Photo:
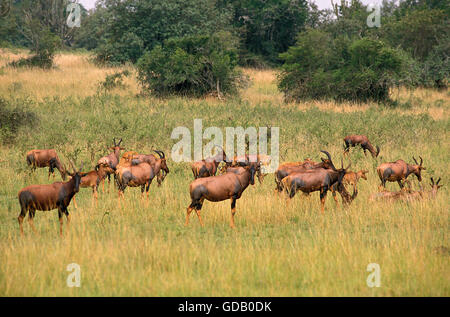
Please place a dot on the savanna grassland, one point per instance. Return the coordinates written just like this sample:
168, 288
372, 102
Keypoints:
277, 249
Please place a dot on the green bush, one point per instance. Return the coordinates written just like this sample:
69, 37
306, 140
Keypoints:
12, 117
321, 67
112, 81
44, 51
193, 65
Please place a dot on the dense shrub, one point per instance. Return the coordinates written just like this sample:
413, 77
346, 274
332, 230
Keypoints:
12, 117
44, 52
319, 66
192, 65
112, 81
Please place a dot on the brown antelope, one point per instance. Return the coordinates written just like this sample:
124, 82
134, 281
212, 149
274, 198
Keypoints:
48, 197
352, 178
288, 168
314, 180
353, 140
258, 161
111, 161
153, 161
208, 167
399, 171
140, 174
408, 195
46, 158
218, 188
92, 179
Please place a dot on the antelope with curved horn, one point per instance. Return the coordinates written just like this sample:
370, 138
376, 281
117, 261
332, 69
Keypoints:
354, 139
288, 168
153, 161
140, 174
46, 158
218, 188
208, 167
399, 171
49, 197
314, 180
111, 160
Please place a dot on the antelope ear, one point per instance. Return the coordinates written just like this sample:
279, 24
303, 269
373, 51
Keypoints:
121, 148
423, 168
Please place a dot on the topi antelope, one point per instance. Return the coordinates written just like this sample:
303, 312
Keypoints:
353, 140
92, 179
49, 197
315, 180
218, 188
407, 195
46, 158
111, 161
208, 166
352, 178
153, 161
288, 168
140, 175
399, 171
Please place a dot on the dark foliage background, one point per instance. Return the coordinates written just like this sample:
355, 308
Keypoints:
346, 59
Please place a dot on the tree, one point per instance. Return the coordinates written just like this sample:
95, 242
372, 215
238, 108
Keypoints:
145, 24
268, 27
192, 65
321, 67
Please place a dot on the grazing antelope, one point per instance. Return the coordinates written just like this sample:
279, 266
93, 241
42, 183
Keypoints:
111, 161
92, 179
140, 174
46, 158
314, 180
399, 171
288, 168
48, 197
153, 161
218, 188
208, 166
353, 140
408, 195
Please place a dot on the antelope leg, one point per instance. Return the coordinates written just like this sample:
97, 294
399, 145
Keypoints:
233, 211
188, 212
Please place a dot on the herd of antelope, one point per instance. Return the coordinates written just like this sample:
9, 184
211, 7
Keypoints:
212, 181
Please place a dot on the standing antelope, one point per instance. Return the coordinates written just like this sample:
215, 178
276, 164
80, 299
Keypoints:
48, 197
353, 140
288, 168
92, 179
352, 178
217, 188
46, 158
111, 161
208, 166
399, 171
153, 161
314, 180
140, 174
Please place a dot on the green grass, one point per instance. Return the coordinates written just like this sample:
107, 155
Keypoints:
278, 249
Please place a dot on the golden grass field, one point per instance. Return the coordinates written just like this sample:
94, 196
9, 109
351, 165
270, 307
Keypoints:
277, 249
